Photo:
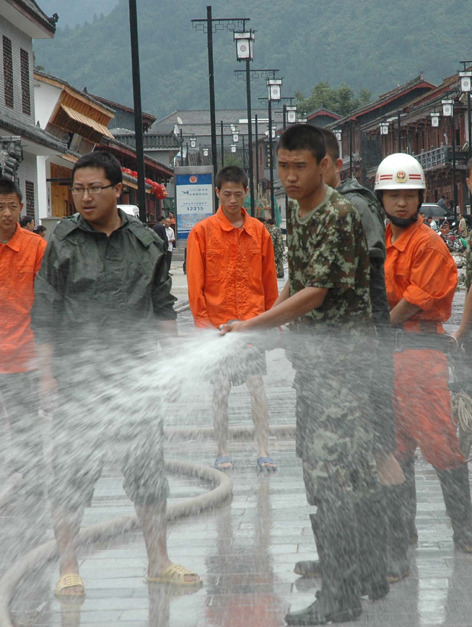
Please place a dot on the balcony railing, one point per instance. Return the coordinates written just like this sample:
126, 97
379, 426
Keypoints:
439, 156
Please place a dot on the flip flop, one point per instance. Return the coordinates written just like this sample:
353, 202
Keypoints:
224, 459
71, 580
266, 464
175, 574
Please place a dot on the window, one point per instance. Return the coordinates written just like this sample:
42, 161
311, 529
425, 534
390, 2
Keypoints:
25, 82
8, 71
29, 197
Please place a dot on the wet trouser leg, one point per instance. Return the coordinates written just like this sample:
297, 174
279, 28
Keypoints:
372, 537
398, 565
456, 492
409, 502
336, 542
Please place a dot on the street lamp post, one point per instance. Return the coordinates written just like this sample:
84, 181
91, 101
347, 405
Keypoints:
138, 113
274, 95
207, 25
466, 87
245, 52
448, 112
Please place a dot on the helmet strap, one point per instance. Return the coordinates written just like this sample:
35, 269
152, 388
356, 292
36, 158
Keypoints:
402, 222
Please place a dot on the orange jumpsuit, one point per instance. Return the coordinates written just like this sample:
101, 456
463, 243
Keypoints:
420, 269
230, 272
20, 260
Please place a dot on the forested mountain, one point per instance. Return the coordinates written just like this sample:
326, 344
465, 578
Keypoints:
363, 43
76, 12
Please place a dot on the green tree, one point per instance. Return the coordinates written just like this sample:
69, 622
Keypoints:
341, 100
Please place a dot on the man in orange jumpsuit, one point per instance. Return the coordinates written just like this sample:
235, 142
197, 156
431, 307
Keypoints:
21, 252
421, 279
231, 275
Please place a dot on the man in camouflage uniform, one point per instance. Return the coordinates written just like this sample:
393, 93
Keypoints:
279, 248
327, 302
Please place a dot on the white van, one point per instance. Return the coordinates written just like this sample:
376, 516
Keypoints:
131, 210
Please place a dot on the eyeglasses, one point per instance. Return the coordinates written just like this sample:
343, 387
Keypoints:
94, 190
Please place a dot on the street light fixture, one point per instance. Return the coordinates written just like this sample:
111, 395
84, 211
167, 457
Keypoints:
448, 112
435, 119
193, 142
274, 95
291, 114
466, 88
245, 52
233, 148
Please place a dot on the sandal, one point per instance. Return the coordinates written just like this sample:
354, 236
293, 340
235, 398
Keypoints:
224, 462
71, 580
175, 574
266, 464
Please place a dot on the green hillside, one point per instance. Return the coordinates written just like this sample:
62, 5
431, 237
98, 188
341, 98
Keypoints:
363, 43
72, 13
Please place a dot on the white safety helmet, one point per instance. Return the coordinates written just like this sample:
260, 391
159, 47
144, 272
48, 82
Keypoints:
399, 171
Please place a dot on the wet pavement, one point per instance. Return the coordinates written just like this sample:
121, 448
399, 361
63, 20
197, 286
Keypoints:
245, 549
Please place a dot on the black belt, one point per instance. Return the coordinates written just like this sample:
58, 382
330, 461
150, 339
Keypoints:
441, 342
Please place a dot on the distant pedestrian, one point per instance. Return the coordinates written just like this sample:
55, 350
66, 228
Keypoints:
170, 241
463, 229
40, 230
160, 229
27, 222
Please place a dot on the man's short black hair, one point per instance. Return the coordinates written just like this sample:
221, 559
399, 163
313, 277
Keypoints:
7, 186
231, 174
24, 220
40, 229
303, 137
161, 218
270, 221
101, 159
332, 145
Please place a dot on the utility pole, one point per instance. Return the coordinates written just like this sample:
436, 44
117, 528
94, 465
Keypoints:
138, 113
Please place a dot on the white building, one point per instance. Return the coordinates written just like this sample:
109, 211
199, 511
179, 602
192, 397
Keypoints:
21, 141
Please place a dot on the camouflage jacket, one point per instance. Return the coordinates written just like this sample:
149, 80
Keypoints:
328, 249
277, 242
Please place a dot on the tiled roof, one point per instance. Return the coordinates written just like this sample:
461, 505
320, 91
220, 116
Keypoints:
16, 126
30, 7
197, 121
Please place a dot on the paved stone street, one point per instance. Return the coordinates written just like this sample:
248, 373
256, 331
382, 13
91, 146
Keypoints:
245, 549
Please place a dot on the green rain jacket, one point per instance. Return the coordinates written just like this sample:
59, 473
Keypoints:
98, 289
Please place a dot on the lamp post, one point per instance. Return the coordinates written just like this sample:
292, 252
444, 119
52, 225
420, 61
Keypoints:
273, 87
466, 87
448, 112
207, 25
138, 113
245, 52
